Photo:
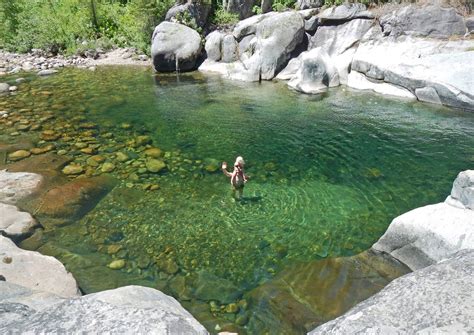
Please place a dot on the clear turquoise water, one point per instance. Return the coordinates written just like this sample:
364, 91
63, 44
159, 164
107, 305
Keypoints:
328, 174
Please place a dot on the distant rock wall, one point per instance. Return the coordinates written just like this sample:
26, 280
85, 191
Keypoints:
416, 52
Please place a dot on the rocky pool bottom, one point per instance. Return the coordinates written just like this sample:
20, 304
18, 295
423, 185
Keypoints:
133, 193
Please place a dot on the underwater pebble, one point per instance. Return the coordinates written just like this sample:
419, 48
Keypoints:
117, 264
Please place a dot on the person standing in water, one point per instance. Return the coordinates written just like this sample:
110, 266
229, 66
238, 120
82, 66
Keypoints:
237, 177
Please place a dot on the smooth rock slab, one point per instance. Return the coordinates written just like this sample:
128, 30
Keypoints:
427, 21
361, 82
15, 186
438, 299
130, 309
14, 223
415, 63
35, 271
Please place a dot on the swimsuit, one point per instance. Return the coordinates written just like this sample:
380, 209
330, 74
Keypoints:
237, 179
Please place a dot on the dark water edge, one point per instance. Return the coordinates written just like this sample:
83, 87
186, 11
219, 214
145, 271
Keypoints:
328, 174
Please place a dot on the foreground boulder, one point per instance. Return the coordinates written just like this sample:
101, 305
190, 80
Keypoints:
15, 223
175, 47
438, 299
15, 186
429, 234
258, 48
139, 309
35, 271
304, 295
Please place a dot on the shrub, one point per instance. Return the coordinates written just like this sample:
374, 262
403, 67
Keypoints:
223, 17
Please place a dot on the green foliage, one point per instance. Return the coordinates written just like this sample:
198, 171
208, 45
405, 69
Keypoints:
223, 17
257, 10
186, 19
68, 25
282, 5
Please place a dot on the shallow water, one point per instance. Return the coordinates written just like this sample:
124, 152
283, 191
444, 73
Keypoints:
328, 174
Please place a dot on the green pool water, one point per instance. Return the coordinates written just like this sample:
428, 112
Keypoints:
328, 174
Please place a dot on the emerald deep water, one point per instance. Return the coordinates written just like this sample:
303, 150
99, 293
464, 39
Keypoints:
327, 174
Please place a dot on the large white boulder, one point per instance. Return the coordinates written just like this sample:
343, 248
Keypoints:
438, 299
15, 186
340, 42
130, 309
213, 45
275, 36
429, 234
35, 271
316, 72
175, 47
462, 193
15, 223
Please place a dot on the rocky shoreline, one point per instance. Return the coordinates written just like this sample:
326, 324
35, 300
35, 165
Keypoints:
414, 52
44, 63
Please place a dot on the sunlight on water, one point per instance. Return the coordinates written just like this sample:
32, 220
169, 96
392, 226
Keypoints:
328, 174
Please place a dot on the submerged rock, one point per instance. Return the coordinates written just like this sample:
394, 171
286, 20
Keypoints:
435, 300
47, 72
304, 295
73, 169
20, 154
210, 287
4, 88
155, 165
175, 47
117, 264
74, 199
143, 309
35, 271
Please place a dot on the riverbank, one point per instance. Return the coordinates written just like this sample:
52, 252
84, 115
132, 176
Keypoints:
38, 60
